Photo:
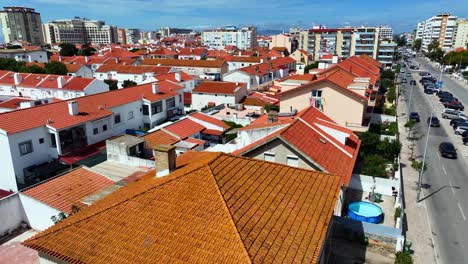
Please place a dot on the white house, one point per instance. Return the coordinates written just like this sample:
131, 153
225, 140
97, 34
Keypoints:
38, 135
237, 62
138, 74
210, 93
179, 77
79, 70
44, 86
25, 55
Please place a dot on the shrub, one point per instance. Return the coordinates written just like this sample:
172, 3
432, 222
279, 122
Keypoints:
397, 213
374, 165
390, 110
403, 258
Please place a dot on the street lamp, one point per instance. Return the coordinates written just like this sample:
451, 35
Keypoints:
424, 159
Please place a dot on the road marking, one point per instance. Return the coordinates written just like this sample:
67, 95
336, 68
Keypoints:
443, 168
438, 155
461, 211
451, 187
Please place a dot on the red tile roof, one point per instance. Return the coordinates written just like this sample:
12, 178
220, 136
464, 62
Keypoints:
47, 81
216, 209
64, 191
192, 51
133, 69
243, 59
160, 137
218, 87
171, 77
89, 107
13, 103
371, 60
4, 193
364, 64
199, 142
184, 128
184, 63
304, 132
163, 51
302, 77
72, 68
209, 119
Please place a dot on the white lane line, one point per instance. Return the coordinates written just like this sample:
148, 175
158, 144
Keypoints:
443, 168
451, 187
461, 211
438, 155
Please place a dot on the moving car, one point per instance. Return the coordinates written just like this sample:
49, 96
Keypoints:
434, 122
403, 80
412, 82
454, 114
414, 116
447, 150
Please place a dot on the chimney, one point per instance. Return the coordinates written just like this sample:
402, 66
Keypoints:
116, 60
155, 88
240, 53
261, 60
165, 159
61, 82
60, 58
272, 116
177, 76
17, 78
73, 108
86, 59
335, 59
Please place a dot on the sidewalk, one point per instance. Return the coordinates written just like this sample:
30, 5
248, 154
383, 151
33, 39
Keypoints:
418, 225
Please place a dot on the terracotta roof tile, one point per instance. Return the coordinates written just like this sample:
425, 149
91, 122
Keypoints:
72, 68
184, 128
186, 63
133, 69
13, 103
66, 190
171, 77
218, 208
209, 119
160, 137
218, 87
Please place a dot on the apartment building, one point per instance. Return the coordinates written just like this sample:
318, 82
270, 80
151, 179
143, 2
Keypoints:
366, 41
168, 31
385, 33
121, 36
36, 137
461, 34
242, 38
78, 31
285, 41
386, 52
441, 28
21, 24
132, 35
321, 41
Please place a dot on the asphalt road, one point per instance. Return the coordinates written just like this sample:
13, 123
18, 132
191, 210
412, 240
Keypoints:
446, 180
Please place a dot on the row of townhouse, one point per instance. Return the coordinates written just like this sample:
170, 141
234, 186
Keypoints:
202, 69
42, 134
45, 86
25, 55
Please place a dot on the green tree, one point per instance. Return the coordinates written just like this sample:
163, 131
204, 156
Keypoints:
11, 65
14, 47
311, 66
436, 54
433, 45
403, 258
112, 84
417, 44
387, 74
128, 83
401, 41
134, 50
86, 50
67, 49
33, 69
391, 94
55, 67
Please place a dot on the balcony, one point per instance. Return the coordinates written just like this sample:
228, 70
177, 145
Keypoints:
72, 139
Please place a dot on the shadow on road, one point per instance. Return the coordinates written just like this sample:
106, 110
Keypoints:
438, 190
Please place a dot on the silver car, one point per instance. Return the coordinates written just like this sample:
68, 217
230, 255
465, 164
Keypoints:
454, 114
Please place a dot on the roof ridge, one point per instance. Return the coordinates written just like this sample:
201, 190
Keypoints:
164, 180
231, 219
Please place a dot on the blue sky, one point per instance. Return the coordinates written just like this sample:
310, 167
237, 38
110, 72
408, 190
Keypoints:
151, 14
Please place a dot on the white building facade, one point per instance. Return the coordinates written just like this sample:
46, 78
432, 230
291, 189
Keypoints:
25, 55
440, 28
242, 38
78, 31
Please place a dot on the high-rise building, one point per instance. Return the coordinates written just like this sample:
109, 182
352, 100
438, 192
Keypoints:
242, 38
21, 24
122, 36
385, 33
440, 28
167, 31
366, 41
132, 35
79, 30
461, 34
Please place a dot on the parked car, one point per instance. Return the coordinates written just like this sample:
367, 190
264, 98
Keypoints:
430, 90
465, 140
408, 74
454, 114
414, 116
458, 122
444, 93
455, 105
460, 129
447, 150
412, 82
403, 80
464, 134
434, 122
446, 99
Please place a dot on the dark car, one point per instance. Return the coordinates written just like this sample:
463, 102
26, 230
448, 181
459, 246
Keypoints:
457, 122
412, 82
446, 99
429, 85
434, 122
430, 90
403, 80
465, 140
414, 116
455, 105
464, 134
447, 150
444, 93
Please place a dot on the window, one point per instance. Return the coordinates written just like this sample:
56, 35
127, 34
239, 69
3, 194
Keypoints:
268, 156
130, 115
53, 143
95, 131
170, 102
41, 141
156, 107
317, 93
25, 147
117, 118
104, 128
145, 110
292, 161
